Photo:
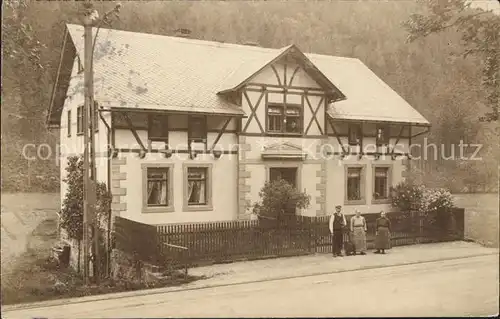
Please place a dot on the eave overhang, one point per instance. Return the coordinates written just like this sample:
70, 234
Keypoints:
61, 83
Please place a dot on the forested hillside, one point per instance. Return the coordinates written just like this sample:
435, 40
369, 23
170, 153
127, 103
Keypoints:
429, 72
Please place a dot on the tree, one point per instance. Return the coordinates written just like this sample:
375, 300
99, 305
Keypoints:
23, 92
480, 33
72, 210
279, 201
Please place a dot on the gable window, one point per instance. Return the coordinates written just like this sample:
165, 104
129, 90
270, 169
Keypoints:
382, 135
157, 188
381, 184
69, 123
158, 128
79, 120
197, 188
197, 129
274, 119
354, 134
355, 184
284, 119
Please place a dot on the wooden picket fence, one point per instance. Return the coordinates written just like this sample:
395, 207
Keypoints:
228, 241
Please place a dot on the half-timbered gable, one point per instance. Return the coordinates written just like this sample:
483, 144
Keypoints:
285, 96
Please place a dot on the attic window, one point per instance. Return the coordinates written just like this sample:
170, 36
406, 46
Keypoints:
284, 119
274, 119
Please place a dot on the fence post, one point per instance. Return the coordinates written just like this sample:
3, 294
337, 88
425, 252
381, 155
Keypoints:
309, 237
416, 222
421, 216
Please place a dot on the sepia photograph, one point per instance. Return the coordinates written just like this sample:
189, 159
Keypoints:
250, 159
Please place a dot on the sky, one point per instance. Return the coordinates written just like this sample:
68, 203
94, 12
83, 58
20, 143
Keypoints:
487, 5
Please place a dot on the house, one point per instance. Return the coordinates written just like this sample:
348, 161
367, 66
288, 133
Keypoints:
190, 130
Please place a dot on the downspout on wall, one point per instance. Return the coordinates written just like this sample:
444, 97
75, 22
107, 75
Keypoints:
108, 162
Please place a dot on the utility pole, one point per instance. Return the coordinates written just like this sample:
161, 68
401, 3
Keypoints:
90, 116
93, 180
87, 197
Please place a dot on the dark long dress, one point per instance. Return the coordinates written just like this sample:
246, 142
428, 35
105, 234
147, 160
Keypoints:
383, 238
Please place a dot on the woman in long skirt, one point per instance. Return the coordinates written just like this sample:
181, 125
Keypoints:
358, 231
383, 234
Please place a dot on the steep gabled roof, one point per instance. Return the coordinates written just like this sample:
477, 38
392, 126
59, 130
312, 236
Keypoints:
249, 69
368, 97
147, 71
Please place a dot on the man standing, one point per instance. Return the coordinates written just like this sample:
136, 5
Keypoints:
337, 224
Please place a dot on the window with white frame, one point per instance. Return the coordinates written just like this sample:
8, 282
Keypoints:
284, 119
381, 183
198, 186
355, 184
79, 119
157, 188
69, 123
274, 119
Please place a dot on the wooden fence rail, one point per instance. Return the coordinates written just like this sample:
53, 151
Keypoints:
229, 241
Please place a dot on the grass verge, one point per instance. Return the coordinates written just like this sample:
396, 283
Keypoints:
37, 278
34, 276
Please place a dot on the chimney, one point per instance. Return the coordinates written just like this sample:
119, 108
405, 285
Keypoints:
183, 33
252, 44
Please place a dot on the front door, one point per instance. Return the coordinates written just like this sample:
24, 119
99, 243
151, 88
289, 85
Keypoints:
289, 174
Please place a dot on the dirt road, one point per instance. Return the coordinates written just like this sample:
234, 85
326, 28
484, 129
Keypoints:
463, 287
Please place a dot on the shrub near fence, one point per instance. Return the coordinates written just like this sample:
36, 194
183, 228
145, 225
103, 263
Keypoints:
229, 241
